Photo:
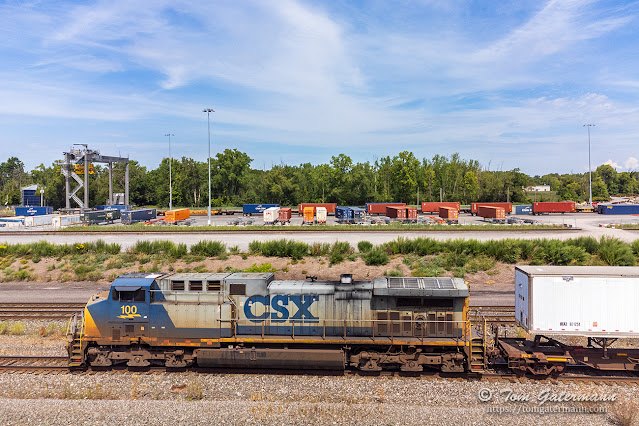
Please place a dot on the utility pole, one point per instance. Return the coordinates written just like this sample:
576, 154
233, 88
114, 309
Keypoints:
208, 112
589, 166
170, 180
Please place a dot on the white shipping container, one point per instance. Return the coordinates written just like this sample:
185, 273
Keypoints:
60, 221
12, 222
579, 300
271, 215
320, 212
40, 220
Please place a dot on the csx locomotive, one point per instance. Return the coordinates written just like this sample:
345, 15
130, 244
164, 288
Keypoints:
250, 320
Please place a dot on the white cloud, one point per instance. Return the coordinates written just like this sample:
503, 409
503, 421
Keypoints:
613, 164
631, 163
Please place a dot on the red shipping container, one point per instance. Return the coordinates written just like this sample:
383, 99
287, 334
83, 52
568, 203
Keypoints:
330, 207
550, 207
285, 214
448, 213
380, 208
491, 212
508, 207
434, 207
411, 213
395, 212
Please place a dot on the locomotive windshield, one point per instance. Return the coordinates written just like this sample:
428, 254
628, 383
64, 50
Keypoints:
128, 294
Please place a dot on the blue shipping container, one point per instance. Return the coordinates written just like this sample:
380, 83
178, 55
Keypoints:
33, 211
142, 215
359, 214
344, 214
249, 209
618, 208
522, 209
112, 207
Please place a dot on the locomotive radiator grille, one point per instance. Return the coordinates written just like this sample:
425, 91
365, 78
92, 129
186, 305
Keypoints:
421, 283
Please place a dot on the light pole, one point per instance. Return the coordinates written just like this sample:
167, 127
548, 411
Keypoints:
170, 181
208, 112
589, 167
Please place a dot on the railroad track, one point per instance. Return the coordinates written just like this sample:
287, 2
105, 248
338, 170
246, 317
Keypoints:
29, 363
495, 314
38, 311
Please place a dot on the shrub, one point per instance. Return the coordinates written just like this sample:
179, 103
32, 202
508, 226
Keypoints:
635, 247
364, 246
280, 248
264, 267
179, 251
320, 249
208, 248
615, 253
376, 256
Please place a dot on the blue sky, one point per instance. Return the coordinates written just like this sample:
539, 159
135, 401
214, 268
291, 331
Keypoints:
508, 83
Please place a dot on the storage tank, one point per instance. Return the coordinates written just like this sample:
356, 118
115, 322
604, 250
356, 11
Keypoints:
321, 213
271, 215
284, 215
582, 300
618, 208
449, 213
433, 207
133, 216
508, 207
491, 212
553, 207
174, 216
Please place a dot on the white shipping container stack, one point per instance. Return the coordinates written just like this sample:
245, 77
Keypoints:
320, 213
60, 221
40, 220
271, 215
594, 301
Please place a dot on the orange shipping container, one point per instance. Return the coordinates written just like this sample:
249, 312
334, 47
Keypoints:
309, 215
394, 212
330, 207
508, 207
433, 207
491, 212
176, 215
448, 213
411, 213
285, 214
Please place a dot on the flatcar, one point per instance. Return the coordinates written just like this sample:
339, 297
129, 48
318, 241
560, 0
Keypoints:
251, 320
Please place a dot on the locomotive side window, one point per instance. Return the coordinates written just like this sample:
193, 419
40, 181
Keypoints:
129, 295
177, 285
404, 302
237, 289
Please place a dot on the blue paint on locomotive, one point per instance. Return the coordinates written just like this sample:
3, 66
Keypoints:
279, 304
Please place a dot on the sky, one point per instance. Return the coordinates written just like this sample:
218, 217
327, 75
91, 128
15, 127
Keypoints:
509, 83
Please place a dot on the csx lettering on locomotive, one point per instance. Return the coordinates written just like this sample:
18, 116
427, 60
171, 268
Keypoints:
281, 307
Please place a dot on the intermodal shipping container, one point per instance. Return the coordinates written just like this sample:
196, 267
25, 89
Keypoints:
321, 214
344, 214
380, 208
271, 215
449, 213
309, 215
618, 208
251, 209
359, 214
330, 207
434, 206
396, 212
60, 221
173, 216
100, 216
33, 211
522, 209
285, 215
508, 207
411, 213
134, 216
39, 220
120, 207
552, 207
491, 212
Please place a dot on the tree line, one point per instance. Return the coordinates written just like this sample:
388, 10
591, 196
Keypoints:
401, 178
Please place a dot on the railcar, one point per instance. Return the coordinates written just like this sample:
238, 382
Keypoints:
251, 320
